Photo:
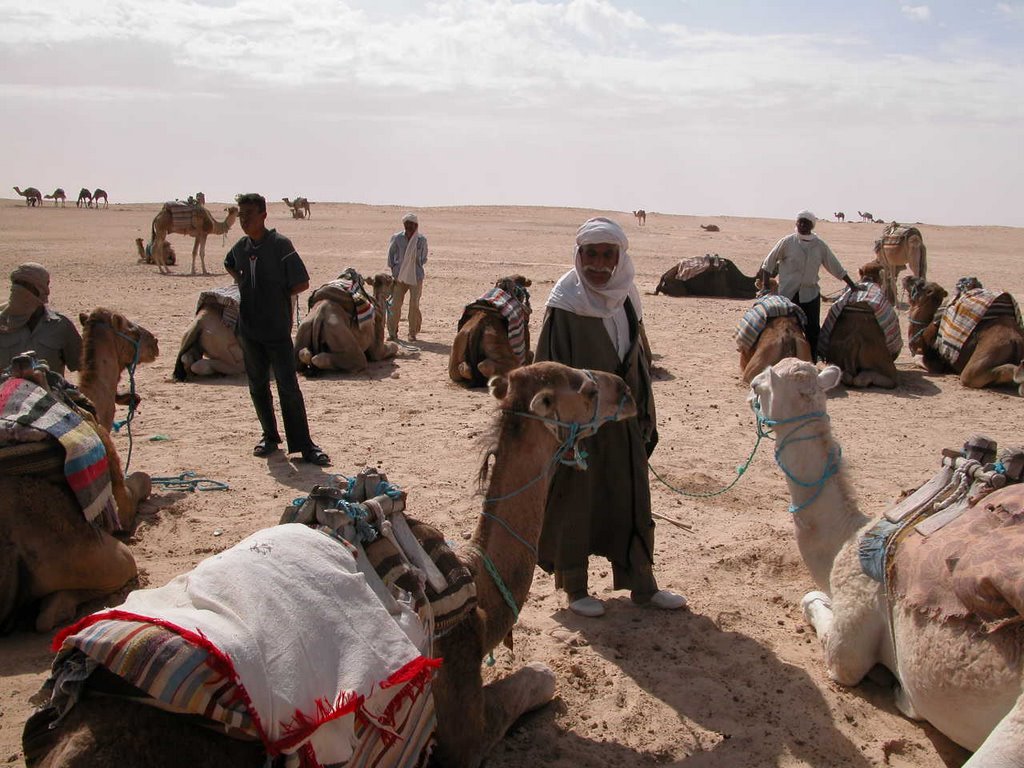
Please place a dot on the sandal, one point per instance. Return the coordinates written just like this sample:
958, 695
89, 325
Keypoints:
264, 448
316, 456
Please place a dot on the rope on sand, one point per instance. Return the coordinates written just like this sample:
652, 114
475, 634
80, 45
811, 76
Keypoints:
188, 481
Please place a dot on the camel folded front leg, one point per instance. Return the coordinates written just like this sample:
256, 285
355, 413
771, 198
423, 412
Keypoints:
208, 366
978, 375
849, 654
1004, 747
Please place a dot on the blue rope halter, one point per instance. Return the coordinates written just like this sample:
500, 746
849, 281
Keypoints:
832, 462
136, 344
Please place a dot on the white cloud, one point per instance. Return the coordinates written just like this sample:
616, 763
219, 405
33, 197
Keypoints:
916, 12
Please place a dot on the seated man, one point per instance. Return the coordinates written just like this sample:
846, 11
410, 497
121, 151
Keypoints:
27, 324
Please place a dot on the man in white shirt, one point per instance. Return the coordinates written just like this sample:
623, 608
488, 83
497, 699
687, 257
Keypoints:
407, 253
798, 258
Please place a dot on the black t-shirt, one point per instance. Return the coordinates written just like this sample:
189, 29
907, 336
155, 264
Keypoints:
269, 270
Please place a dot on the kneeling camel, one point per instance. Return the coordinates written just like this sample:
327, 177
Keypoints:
494, 334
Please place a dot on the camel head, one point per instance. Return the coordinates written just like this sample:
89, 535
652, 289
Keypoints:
128, 334
516, 285
791, 388
559, 395
382, 284
925, 298
871, 273
772, 287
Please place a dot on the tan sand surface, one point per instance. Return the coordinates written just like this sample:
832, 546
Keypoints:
738, 679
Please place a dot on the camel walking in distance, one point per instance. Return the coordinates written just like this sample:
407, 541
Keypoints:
840, 216
979, 336
32, 196
544, 410
57, 195
52, 553
191, 220
866, 217
96, 198
939, 607
84, 198
299, 208
641, 217
111, 344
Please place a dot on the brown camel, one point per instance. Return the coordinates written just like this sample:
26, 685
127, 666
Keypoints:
782, 337
471, 717
110, 344
710, 227
707, 275
865, 216
96, 198
330, 336
194, 221
840, 216
482, 347
853, 337
299, 208
51, 552
993, 353
58, 194
84, 198
146, 253
899, 247
641, 216
32, 196
210, 345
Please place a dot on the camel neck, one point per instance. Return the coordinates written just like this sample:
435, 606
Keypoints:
824, 514
510, 525
101, 370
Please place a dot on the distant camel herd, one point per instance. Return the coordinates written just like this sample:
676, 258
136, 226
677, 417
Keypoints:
34, 198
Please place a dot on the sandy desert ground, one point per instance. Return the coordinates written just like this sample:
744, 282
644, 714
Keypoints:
736, 680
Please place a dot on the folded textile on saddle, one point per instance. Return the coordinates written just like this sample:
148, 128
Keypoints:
690, 268
86, 468
874, 297
512, 311
348, 291
254, 608
227, 298
756, 318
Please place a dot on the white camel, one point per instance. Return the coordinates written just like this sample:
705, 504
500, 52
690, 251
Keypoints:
964, 681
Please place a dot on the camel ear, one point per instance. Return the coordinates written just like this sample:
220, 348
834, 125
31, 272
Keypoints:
543, 403
829, 377
498, 387
119, 322
83, 318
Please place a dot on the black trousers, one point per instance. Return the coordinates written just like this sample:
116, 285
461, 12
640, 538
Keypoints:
260, 358
812, 309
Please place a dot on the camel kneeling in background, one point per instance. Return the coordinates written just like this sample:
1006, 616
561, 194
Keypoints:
210, 345
949, 625
494, 334
771, 330
470, 717
344, 328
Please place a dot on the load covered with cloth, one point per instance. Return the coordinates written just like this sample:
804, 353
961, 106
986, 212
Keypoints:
754, 320
871, 298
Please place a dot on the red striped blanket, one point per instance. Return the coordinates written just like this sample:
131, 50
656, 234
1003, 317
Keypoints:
511, 310
962, 316
874, 298
85, 458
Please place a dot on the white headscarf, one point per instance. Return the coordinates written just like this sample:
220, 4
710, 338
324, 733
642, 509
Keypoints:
805, 214
574, 294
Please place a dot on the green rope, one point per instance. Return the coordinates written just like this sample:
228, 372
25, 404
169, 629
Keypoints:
504, 590
187, 481
740, 470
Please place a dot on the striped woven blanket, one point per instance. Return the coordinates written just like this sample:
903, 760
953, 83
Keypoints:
962, 316
85, 458
756, 318
181, 214
874, 298
512, 311
690, 268
227, 298
347, 290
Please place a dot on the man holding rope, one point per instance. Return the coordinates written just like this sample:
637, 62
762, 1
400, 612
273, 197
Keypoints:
594, 321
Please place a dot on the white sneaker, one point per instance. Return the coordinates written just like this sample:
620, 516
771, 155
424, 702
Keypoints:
588, 606
667, 601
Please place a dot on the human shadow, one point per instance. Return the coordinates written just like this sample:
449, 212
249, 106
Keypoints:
217, 380
411, 347
761, 708
293, 472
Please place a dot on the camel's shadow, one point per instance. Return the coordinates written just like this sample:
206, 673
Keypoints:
375, 371
915, 383
758, 708
218, 380
412, 347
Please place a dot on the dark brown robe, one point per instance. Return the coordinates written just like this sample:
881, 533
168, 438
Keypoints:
606, 509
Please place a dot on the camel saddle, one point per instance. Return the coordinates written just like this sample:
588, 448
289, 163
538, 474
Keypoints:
868, 299
181, 214
894, 235
955, 550
514, 310
227, 298
963, 315
348, 291
755, 319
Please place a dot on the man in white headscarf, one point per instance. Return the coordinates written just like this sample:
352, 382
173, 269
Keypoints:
28, 325
594, 320
799, 257
407, 253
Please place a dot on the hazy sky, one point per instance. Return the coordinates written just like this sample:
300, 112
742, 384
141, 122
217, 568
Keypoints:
735, 107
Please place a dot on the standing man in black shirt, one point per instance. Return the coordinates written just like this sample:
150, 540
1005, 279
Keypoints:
269, 274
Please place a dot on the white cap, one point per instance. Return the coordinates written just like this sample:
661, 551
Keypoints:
410, 217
